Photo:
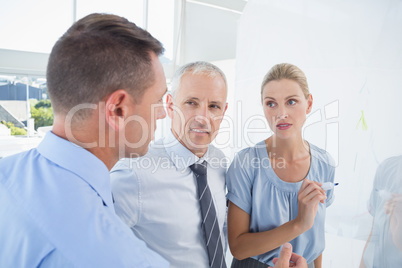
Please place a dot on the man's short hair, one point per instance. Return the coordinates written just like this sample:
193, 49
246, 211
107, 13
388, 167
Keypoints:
98, 55
197, 67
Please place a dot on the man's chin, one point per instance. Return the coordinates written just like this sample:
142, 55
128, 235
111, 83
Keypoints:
197, 146
137, 153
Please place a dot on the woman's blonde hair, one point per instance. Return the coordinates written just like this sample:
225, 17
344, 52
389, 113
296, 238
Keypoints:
286, 71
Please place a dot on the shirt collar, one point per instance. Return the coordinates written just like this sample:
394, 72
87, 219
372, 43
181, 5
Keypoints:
79, 161
179, 154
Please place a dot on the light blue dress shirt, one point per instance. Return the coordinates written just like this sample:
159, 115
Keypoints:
254, 187
56, 210
381, 251
156, 196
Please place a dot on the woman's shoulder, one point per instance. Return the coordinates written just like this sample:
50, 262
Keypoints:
251, 154
322, 156
252, 150
248, 158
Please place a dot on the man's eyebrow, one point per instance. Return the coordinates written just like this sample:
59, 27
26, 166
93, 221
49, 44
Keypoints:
215, 102
192, 98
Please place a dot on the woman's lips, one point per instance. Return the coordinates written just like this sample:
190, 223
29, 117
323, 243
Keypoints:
283, 126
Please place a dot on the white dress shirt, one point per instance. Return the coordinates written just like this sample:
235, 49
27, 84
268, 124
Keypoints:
156, 196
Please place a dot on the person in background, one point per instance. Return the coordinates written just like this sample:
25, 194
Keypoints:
56, 206
174, 197
384, 245
274, 188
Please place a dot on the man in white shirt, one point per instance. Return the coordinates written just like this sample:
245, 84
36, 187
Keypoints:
159, 195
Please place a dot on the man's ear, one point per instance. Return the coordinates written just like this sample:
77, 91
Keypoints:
226, 107
117, 107
169, 105
309, 104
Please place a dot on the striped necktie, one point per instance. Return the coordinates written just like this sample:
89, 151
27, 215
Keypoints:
210, 223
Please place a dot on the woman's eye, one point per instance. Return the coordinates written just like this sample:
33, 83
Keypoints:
291, 102
270, 104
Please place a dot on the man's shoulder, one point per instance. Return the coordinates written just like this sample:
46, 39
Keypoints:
215, 151
22, 196
157, 149
16, 157
15, 165
16, 226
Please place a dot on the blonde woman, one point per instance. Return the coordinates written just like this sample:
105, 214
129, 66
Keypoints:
274, 188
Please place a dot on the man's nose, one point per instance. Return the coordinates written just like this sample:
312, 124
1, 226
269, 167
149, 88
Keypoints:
203, 114
203, 111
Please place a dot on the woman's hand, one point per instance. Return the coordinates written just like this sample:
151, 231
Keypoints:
310, 194
244, 244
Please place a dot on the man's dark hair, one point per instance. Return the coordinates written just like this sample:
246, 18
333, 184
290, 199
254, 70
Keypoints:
99, 54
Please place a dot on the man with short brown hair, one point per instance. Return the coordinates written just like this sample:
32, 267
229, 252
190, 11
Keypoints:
106, 84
